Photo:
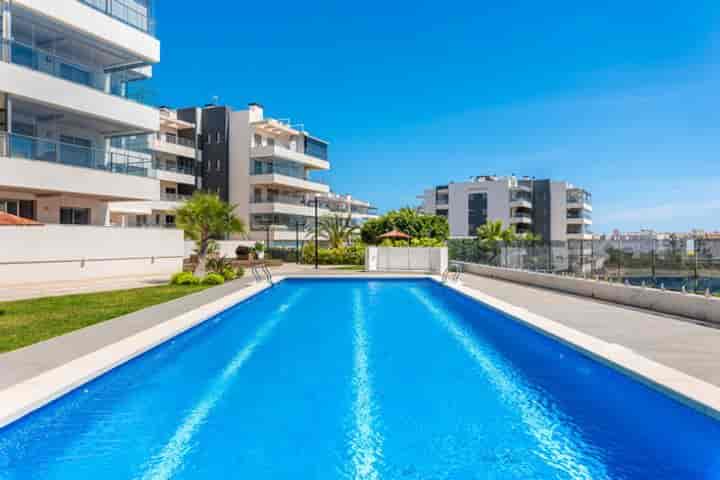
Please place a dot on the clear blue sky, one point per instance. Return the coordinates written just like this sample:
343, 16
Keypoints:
620, 97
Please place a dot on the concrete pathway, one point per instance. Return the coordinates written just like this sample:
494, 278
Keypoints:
676, 342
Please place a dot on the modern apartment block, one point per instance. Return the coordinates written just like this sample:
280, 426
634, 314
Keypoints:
176, 164
266, 167
70, 100
555, 210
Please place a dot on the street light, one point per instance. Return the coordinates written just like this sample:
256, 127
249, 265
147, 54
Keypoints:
316, 233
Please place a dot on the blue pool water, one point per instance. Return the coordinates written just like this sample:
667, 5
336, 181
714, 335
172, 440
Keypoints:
359, 379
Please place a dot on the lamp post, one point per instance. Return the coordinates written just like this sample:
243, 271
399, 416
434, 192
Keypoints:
316, 234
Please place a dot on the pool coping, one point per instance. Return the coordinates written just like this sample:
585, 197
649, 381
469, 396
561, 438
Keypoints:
29, 395
689, 390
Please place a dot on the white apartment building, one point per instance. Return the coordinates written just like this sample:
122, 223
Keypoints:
267, 167
70, 98
556, 210
176, 165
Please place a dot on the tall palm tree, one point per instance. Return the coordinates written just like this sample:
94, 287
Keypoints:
337, 230
203, 217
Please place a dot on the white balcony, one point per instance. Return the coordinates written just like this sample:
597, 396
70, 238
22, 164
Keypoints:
106, 29
579, 206
521, 219
579, 221
579, 236
172, 145
280, 152
57, 93
520, 203
288, 181
44, 177
286, 208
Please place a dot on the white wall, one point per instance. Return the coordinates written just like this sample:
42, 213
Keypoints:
87, 20
498, 198
674, 303
402, 259
59, 252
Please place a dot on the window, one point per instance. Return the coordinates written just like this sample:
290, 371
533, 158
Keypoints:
316, 148
169, 219
477, 212
218, 165
74, 216
258, 140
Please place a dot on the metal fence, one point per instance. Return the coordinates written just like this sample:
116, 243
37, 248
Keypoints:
672, 263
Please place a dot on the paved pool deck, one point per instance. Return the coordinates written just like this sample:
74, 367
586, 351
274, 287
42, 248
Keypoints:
679, 343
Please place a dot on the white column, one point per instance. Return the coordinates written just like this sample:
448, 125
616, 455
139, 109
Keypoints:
6, 29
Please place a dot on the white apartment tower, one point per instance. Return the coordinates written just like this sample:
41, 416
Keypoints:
268, 168
556, 210
70, 99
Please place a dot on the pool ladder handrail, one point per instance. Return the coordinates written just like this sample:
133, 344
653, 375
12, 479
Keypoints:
261, 270
458, 271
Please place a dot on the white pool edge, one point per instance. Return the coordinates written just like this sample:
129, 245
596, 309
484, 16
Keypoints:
685, 388
27, 396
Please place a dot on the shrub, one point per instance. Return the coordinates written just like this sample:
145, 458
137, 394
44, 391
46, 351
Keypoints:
213, 279
184, 278
352, 255
217, 263
229, 274
259, 247
240, 272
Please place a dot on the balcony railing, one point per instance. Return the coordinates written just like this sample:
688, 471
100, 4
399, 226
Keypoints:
174, 197
46, 150
175, 140
173, 167
294, 172
579, 196
579, 214
127, 14
300, 202
42, 61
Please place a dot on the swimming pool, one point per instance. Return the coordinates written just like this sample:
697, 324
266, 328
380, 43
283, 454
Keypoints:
362, 379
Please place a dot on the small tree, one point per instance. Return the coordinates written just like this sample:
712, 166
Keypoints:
492, 234
338, 230
204, 217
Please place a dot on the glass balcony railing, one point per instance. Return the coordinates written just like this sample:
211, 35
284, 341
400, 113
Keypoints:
579, 214
115, 83
288, 169
174, 197
173, 167
126, 12
579, 196
520, 195
46, 150
175, 140
297, 201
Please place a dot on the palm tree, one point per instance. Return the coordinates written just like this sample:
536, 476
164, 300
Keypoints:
337, 230
492, 234
203, 217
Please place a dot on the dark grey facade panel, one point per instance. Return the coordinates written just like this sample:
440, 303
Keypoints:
542, 202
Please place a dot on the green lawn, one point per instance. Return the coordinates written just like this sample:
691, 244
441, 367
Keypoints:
25, 322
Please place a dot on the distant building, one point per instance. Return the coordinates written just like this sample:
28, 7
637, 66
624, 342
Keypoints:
556, 210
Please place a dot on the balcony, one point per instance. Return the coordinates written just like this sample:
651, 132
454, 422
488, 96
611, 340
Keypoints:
286, 205
579, 217
579, 232
48, 166
521, 218
33, 74
112, 23
578, 199
174, 172
284, 153
174, 145
290, 182
126, 13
